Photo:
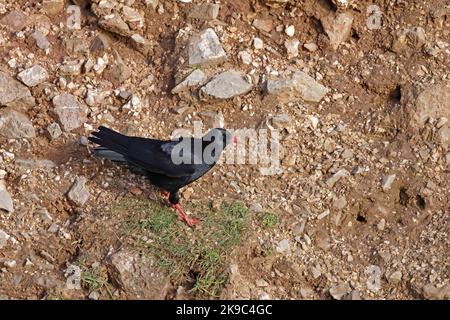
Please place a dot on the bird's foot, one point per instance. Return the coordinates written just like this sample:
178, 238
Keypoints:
191, 222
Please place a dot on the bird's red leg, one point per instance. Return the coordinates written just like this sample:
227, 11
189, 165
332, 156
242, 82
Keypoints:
191, 222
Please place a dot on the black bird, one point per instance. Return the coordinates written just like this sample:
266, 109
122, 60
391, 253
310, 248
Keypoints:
169, 165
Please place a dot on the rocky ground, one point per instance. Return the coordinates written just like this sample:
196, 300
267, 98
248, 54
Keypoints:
358, 92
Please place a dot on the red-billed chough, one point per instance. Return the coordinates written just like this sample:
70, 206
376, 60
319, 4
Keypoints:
169, 165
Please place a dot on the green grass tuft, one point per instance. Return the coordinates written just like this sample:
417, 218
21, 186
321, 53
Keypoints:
269, 220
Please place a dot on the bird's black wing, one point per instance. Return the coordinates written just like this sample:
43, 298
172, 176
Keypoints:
152, 155
156, 156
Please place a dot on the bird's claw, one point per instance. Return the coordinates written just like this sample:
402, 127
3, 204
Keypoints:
191, 222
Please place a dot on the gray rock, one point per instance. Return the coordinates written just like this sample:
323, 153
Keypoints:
33, 76
262, 283
195, 78
387, 182
71, 114
283, 246
336, 177
71, 67
3, 238
15, 125
432, 102
291, 46
306, 293
132, 17
118, 72
256, 207
204, 11
94, 295
6, 202
340, 203
73, 275
115, 24
41, 40
301, 85
408, 40
99, 43
15, 20
226, 85
340, 290
141, 44
205, 48
14, 94
78, 193
431, 292
76, 45
395, 277
137, 275
10, 264
265, 25
338, 28
54, 130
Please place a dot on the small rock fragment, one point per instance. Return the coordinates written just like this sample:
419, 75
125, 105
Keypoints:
311, 46
54, 130
15, 20
387, 182
337, 28
195, 78
340, 290
265, 25
301, 85
395, 277
292, 48
205, 49
336, 177
430, 292
290, 30
78, 193
226, 85
258, 43
6, 202
33, 76
3, 238
283, 246
115, 24
204, 11
70, 113
14, 94
15, 125
41, 40
245, 57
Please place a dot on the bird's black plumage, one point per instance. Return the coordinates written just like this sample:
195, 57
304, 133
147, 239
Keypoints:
155, 157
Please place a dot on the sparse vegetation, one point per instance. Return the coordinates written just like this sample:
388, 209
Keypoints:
269, 220
198, 257
94, 280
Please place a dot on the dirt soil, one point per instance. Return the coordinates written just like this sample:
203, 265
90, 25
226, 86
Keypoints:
311, 234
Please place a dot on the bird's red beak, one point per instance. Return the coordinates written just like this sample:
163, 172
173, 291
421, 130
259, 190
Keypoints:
234, 140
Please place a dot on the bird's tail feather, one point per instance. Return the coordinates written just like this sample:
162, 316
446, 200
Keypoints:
109, 154
113, 145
